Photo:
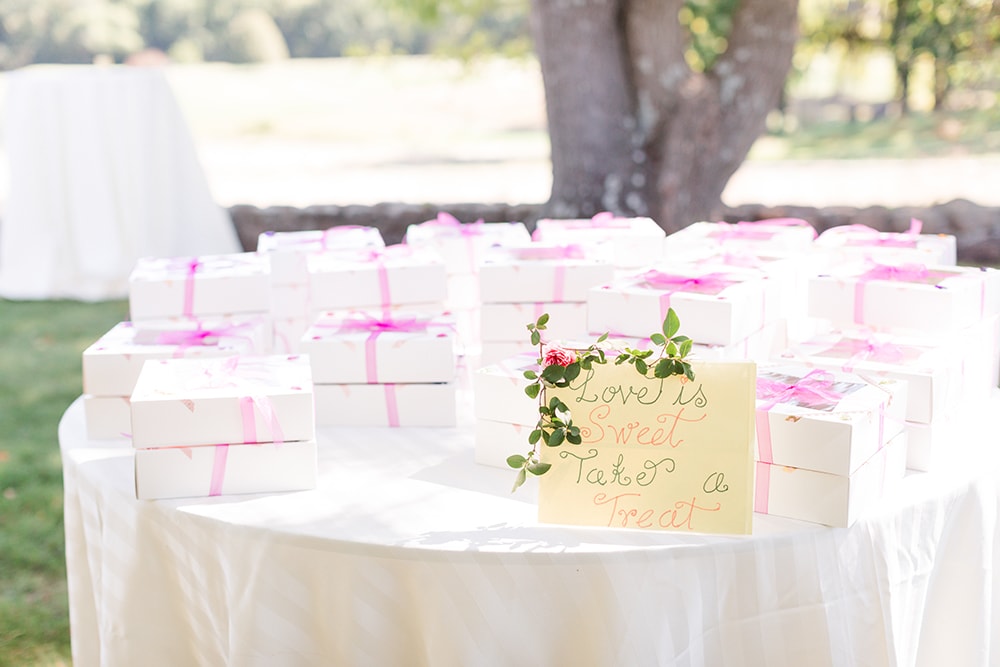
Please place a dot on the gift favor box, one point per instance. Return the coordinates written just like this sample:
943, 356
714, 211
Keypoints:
765, 344
495, 441
395, 275
111, 365
860, 241
227, 400
776, 235
495, 351
509, 321
498, 391
931, 368
715, 308
107, 417
462, 245
624, 242
905, 296
392, 405
198, 286
223, 469
371, 348
540, 272
286, 252
823, 420
829, 499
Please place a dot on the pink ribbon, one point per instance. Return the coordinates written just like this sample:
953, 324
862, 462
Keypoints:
814, 388
762, 488
192, 268
541, 251
391, 408
603, 220
709, 283
218, 470
887, 272
780, 222
855, 350
375, 327
200, 337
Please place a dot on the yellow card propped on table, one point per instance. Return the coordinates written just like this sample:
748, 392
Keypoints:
667, 454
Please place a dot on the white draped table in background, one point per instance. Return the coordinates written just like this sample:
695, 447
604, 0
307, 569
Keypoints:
409, 553
103, 170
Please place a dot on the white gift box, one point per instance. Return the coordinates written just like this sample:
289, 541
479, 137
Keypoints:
495, 351
197, 286
624, 242
215, 470
509, 321
286, 252
366, 348
929, 444
462, 245
540, 272
107, 417
498, 391
288, 332
389, 405
395, 275
463, 291
715, 308
495, 441
932, 370
762, 345
111, 365
825, 498
824, 420
860, 241
901, 297
291, 300
776, 235
217, 401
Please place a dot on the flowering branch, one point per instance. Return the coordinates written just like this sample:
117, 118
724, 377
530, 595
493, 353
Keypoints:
560, 367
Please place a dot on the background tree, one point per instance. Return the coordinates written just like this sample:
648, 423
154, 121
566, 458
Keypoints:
634, 127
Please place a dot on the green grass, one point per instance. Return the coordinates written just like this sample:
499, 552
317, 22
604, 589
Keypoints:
40, 359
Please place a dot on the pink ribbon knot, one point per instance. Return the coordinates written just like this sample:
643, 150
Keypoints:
709, 283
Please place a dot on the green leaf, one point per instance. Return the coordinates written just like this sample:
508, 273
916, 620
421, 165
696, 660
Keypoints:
689, 372
604, 337
671, 324
572, 372
553, 373
662, 369
532, 390
556, 404
686, 347
680, 339
531, 375
658, 339
573, 436
521, 476
671, 349
533, 437
539, 468
516, 461
536, 338
586, 363
641, 366
542, 320
556, 437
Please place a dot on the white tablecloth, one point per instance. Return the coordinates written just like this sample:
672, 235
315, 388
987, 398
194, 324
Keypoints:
408, 553
103, 170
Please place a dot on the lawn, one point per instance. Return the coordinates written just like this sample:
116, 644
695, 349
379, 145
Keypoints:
40, 361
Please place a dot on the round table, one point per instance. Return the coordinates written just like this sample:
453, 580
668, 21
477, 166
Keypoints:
103, 171
409, 553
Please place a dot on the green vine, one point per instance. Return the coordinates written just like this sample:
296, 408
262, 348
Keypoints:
560, 367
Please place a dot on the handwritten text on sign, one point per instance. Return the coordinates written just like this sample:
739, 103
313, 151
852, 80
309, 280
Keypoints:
665, 454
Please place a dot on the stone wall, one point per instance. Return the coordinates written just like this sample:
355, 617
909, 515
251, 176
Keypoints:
977, 228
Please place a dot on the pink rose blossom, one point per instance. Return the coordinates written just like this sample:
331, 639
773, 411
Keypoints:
556, 356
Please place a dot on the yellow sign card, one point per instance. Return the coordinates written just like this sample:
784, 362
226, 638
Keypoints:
667, 454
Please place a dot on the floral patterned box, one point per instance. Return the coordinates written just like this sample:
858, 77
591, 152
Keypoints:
223, 401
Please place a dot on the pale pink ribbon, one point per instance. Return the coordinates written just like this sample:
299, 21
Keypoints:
545, 252
903, 272
762, 487
868, 236
603, 220
200, 337
780, 222
392, 410
192, 268
468, 231
709, 283
378, 256
856, 349
375, 327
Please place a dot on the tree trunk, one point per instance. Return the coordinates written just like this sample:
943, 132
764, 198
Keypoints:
633, 129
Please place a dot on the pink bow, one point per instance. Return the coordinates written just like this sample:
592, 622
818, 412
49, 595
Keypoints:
709, 283
541, 251
448, 221
887, 272
856, 349
814, 388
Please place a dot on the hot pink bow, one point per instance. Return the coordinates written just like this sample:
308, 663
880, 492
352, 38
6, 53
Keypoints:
709, 283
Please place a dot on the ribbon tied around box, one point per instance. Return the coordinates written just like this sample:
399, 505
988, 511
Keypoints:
708, 283
911, 273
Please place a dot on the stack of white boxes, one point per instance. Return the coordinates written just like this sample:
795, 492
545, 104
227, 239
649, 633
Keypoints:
519, 283
373, 369
504, 414
208, 427
111, 365
625, 243
829, 444
462, 246
292, 309
383, 290
934, 325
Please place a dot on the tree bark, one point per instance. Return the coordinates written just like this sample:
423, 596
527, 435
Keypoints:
633, 129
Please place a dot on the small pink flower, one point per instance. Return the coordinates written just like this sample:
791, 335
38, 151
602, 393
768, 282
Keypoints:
556, 356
